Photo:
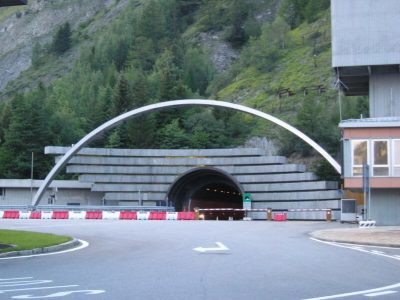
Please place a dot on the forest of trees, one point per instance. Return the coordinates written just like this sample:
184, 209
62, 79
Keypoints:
143, 57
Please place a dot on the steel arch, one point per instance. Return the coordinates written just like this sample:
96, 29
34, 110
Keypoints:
169, 104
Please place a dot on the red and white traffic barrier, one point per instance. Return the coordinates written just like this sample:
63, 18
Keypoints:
111, 215
172, 216
143, 215
77, 215
47, 215
1, 214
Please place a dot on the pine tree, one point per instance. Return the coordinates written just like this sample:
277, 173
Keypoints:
62, 39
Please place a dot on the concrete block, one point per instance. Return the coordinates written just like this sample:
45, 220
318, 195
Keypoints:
192, 161
332, 204
110, 187
270, 178
115, 196
292, 187
117, 178
295, 196
233, 152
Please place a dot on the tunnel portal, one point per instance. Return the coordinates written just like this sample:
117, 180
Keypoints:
205, 188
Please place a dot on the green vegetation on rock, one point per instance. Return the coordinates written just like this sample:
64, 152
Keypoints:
277, 54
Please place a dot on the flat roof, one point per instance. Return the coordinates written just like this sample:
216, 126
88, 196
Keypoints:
26, 183
13, 2
371, 122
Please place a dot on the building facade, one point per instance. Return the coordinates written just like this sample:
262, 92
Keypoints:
366, 59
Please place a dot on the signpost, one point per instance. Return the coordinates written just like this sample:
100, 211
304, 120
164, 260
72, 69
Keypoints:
367, 192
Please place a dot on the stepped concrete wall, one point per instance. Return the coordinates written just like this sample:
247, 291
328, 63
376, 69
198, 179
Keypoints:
134, 177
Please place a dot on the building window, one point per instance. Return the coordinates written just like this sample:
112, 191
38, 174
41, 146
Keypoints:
2, 192
359, 156
380, 158
396, 158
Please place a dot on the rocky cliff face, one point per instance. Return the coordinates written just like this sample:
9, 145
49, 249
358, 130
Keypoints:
37, 22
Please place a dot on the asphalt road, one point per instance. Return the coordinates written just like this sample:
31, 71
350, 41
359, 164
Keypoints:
156, 260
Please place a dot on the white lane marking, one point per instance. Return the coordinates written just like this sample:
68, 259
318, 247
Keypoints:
357, 293
360, 245
380, 294
39, 288
83, 245
220, 249
356, 249
60, 294
24, 282
377, 252
19, 278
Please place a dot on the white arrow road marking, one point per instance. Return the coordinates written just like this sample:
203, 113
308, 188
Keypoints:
380, 294
23, 282
39, 288
60, 294
357, 293
220, 249
19, 278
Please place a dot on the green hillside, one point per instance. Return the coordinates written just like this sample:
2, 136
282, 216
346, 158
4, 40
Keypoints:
155, 51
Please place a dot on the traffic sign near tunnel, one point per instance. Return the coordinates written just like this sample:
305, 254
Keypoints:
246, 201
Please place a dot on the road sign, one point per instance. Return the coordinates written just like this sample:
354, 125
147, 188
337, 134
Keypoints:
246, 201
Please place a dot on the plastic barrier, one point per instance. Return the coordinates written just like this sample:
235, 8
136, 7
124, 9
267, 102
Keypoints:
185, 215
24, 214
1, 214
172, 216
35, 215
11, 214
47, 215
128, 215
158, 215
94, 215
77, 215
60, 215
143, 215
366, 224
111, 215
280, 217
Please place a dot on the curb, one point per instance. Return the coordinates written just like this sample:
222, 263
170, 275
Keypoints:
311, 234
65, 246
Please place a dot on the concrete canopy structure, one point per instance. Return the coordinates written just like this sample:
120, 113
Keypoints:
169, 104
365, 51
204, 178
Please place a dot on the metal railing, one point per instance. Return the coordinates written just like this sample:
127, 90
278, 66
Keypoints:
86, 208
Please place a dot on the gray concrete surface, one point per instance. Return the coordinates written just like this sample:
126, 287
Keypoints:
379, 236
155, 260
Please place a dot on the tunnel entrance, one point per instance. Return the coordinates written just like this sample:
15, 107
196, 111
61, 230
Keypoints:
205, 188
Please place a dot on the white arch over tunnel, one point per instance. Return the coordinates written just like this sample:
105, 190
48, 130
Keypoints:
170, 104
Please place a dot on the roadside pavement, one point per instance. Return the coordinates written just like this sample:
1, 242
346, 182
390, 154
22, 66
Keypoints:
388, 236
